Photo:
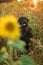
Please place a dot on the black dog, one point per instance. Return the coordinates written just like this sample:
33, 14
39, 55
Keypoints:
26, 32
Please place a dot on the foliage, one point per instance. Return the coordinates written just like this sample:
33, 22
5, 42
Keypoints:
26, 60
8, 58
36, 24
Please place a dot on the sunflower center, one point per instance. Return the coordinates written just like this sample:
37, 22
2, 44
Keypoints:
10, 27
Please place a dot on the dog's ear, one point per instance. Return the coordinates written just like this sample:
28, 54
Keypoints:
23, 19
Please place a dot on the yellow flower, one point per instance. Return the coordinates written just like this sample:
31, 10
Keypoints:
9, 27
32, 6
3, 49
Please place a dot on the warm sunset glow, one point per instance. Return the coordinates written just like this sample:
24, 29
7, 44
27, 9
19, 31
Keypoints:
41, 0
19, 0
35, 2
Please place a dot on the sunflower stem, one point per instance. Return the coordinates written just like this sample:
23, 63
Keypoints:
11, 56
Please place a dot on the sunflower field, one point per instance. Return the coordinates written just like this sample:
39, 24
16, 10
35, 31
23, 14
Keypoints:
12, 49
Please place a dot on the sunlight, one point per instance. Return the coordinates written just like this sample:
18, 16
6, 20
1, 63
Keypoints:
19, 0
41, 0
35, 2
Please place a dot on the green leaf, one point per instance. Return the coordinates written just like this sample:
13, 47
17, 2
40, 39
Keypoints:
32, 26
19, 45
2, 59
26, 60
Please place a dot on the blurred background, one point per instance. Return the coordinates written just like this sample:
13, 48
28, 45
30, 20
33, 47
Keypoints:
33, 10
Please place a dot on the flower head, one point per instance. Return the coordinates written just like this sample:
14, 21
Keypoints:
9, 27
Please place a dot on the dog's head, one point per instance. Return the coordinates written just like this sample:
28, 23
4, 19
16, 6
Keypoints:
23, 21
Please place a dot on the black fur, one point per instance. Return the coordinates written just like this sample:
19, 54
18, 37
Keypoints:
26, 32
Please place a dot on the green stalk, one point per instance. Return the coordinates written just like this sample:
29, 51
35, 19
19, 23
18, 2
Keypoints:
11, 56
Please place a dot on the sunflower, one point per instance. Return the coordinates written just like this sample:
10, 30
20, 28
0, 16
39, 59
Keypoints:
32, 5
9, 27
